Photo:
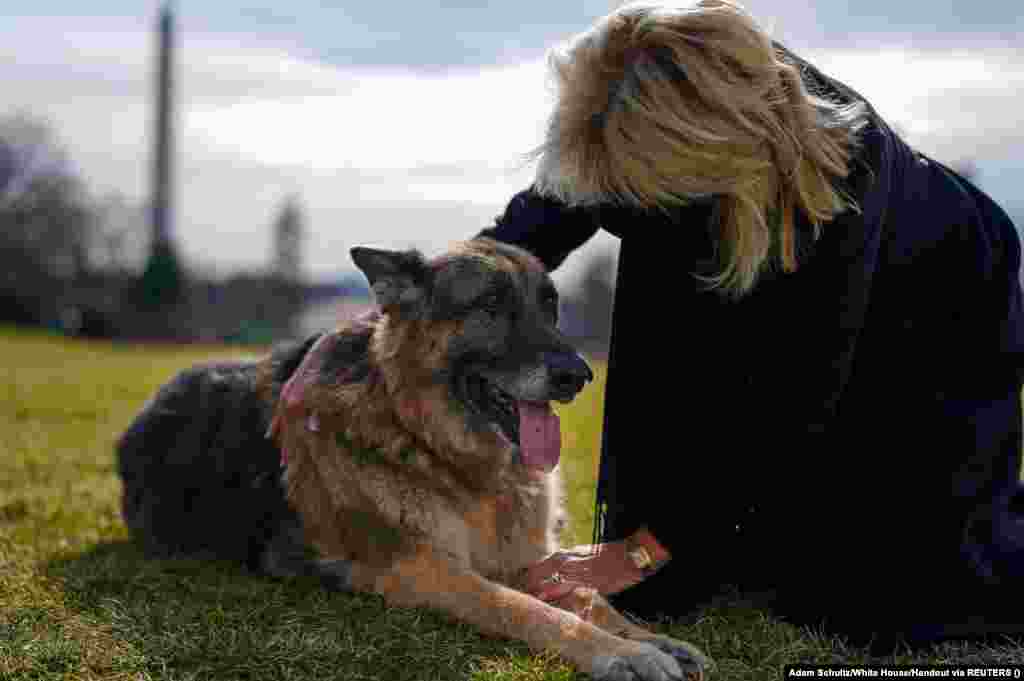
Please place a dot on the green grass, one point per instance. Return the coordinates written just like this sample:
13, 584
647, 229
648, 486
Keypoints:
79, 601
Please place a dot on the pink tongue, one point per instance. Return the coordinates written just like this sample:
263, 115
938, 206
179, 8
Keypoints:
540, 439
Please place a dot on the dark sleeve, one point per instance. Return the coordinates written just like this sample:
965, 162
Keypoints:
543, 226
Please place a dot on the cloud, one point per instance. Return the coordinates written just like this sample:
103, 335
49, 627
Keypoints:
436, 36
386, 120
955, 103
463, 133
881, 24
424, 36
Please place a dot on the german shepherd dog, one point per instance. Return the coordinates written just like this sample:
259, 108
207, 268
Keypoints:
413, 454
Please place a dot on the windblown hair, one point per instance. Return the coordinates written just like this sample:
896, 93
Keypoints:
660, 104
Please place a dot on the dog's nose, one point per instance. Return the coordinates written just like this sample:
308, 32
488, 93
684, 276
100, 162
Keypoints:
568, 372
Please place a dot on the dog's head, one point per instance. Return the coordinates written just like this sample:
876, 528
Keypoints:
482, 319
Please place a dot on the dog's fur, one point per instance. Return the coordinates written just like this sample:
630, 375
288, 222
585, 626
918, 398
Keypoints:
403, 476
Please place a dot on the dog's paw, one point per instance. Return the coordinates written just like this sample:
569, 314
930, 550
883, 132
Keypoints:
692, 660
643, 661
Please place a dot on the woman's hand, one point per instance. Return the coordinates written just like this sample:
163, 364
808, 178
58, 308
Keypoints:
610, 568
604, 567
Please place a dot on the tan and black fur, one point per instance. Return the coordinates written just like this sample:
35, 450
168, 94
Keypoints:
404, 473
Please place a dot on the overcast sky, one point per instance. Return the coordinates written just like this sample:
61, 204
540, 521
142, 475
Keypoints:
404, 124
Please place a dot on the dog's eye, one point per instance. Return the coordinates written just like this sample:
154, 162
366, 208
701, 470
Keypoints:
549, 302
491, 302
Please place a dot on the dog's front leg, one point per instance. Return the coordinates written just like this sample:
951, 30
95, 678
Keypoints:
429, 578
592, 607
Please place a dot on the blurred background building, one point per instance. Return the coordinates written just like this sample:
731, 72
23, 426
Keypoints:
200, 172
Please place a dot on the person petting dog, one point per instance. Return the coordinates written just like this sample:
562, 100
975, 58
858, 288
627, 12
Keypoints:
814, 379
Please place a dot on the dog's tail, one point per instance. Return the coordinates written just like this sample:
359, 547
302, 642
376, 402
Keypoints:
199, 476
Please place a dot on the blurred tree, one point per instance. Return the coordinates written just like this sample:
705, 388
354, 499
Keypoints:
44, 209
164, 279
119, 243
288, 292
289, 233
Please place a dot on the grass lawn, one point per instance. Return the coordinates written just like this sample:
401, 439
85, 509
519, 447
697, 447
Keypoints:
78, 601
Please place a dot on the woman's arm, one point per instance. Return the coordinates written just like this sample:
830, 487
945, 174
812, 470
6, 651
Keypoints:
543, 226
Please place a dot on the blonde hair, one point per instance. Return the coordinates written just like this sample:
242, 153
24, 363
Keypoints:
659, 104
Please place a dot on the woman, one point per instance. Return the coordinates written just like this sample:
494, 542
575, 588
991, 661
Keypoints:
820, 328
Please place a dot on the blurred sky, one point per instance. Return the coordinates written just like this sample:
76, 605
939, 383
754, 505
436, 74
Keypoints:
404, 124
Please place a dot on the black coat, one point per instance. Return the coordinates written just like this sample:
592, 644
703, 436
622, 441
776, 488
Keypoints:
848, 435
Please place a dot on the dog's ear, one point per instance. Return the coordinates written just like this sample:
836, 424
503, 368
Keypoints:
400, 279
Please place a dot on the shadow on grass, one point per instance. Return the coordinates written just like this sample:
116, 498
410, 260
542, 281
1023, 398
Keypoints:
202, 619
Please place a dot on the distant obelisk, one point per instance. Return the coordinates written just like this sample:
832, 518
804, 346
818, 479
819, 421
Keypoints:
164, 132
163, 281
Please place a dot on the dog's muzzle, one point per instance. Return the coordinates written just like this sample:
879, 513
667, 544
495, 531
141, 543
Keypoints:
568, 373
